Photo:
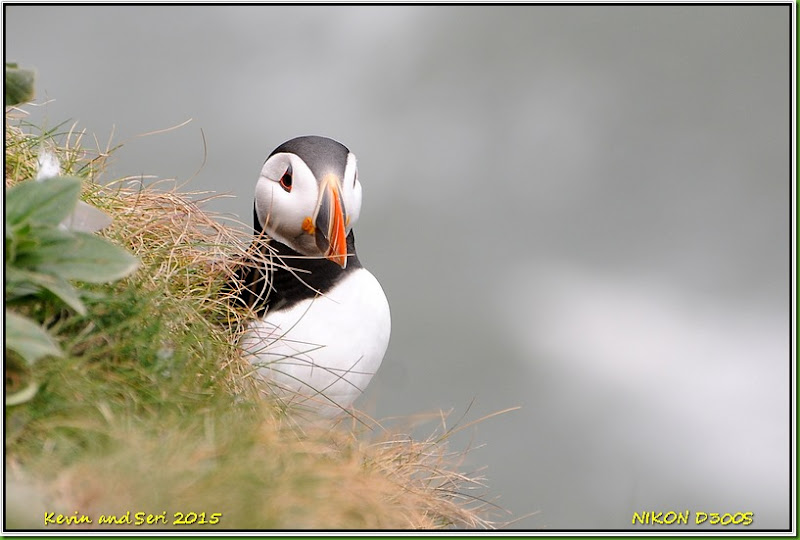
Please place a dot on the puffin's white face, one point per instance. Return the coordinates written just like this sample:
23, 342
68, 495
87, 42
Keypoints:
310, 214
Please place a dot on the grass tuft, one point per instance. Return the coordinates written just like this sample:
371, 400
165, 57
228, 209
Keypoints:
153, 409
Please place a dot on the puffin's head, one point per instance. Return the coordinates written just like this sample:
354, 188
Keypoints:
308, 197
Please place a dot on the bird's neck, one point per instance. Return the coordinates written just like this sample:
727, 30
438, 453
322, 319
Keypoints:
293, 277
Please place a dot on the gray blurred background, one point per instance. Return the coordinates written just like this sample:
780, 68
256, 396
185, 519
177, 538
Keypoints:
583, 211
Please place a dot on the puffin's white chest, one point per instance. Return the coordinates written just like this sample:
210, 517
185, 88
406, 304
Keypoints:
322, 352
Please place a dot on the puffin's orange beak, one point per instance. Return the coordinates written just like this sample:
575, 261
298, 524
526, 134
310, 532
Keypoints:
331, 237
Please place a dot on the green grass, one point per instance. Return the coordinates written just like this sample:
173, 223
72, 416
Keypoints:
153, 410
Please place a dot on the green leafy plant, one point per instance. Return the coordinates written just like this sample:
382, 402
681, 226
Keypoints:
18, 84
42, 256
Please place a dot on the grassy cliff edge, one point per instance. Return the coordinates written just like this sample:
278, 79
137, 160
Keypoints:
152, 419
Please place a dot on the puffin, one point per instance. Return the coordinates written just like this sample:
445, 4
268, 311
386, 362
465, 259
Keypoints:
323, 321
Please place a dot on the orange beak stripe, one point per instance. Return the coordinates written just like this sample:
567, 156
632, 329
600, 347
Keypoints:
337, 252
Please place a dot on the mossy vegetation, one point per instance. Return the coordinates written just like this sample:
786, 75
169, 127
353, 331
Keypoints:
152, 410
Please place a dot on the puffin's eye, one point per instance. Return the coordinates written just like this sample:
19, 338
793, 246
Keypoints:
286, 179
355, 178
